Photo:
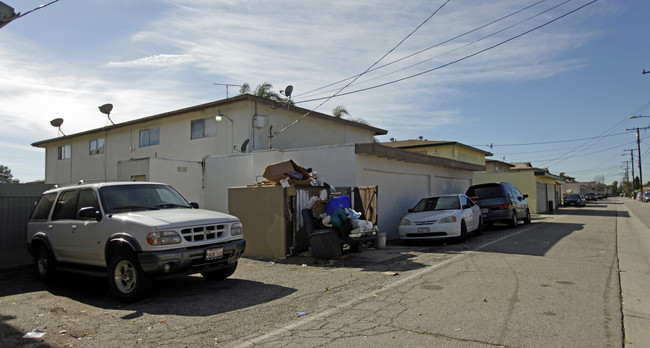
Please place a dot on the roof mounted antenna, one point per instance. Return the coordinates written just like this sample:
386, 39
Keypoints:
106, 109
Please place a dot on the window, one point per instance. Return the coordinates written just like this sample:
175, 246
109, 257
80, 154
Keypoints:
205, 127
42, 208
64, 152
65, 206
149, 137
96, 146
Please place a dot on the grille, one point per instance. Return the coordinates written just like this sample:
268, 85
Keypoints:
420, 223
201, 233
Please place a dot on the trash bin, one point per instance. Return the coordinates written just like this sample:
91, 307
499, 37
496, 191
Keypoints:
325, 243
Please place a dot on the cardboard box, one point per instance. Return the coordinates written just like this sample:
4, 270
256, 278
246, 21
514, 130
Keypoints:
275, 172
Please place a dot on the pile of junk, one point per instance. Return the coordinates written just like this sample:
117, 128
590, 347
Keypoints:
307, 214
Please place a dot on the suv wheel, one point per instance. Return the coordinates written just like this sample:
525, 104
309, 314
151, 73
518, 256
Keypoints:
220, 274
44, 263
527, 218
126, 279
513, 221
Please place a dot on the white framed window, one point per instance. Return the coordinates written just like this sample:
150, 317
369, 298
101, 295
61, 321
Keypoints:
204, 127
64, 152
149, 137
96, 146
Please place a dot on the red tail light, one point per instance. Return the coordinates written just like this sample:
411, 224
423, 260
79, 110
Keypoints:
500, 207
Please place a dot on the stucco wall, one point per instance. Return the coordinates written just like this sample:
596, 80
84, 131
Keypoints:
175, 141
400, 184
403, 184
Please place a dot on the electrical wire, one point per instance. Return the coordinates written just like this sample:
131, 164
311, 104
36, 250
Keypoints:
449, 63
428, 48
370, 67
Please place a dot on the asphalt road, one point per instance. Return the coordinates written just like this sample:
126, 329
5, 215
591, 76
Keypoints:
552, 283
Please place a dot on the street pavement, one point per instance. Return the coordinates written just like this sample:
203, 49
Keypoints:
634, 265
576, 278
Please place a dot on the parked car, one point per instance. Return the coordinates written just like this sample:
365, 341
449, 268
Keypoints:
575, 199
500, 202
591, 196
442, 216
131, 232
599, 195
646, 197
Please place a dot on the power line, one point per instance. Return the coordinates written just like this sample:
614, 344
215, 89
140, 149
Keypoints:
430, 47
452, 62
368, 69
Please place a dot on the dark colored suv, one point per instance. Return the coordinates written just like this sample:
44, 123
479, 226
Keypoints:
500, 202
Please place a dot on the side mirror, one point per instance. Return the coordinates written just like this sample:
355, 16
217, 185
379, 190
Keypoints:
194, 205
467, 206
410, 210
525, 196
90, 213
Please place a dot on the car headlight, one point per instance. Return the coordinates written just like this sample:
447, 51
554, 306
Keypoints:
235, 229
448, 219
405, 222
163, 238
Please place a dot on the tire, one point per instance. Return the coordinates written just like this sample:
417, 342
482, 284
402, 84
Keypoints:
220, 274
463, 231
527, 219
513, 220
45, 263
479, 228
126, 280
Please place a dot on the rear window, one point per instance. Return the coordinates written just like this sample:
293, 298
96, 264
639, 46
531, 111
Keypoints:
485, 192
43, 207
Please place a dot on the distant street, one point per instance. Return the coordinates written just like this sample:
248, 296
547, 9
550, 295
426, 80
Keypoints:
553, 283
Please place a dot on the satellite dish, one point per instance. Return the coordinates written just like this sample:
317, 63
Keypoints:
288, 90
106, 109
57, 122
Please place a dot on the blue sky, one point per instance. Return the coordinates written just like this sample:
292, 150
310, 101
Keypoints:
558, 96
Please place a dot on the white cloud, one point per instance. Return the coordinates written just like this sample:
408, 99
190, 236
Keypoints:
157, 61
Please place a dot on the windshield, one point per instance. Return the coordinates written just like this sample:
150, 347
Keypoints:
485, 192
573, 195
117, 199
437, 203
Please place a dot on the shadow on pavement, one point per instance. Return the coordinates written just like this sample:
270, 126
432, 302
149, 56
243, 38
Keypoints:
182, 295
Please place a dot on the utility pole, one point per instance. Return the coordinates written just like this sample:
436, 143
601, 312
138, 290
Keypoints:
638, 146
632, 162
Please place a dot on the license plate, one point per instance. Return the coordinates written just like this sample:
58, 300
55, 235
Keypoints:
213, 254
484, 210
423, 229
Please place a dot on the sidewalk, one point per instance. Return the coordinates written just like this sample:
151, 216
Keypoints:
634, 265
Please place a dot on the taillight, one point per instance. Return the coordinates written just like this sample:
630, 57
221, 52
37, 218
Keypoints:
500, 207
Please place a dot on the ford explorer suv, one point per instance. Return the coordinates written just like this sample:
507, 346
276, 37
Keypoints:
130, 232
500, 202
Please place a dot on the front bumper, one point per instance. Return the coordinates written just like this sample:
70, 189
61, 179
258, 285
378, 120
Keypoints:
191, 260
429, 231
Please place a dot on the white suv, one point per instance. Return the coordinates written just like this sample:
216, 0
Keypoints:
131, 232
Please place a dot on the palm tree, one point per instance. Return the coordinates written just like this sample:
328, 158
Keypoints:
265, 90
339, 111
245, 88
